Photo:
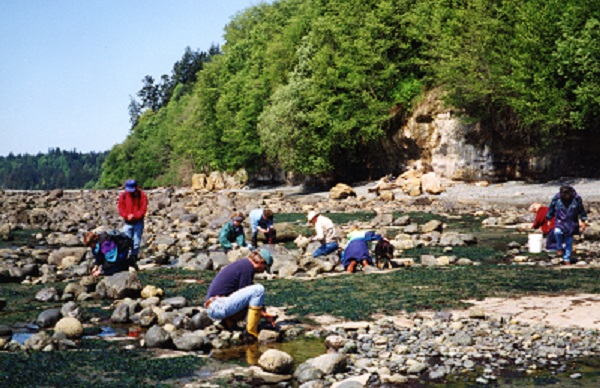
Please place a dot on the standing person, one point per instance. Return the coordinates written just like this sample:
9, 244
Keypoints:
261, 220
567, 208
326, 233
233, 294
232, 233
133, 205
546, 226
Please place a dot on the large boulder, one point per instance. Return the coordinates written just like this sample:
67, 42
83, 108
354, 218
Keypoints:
70, 326
276, 361
57, 256
157, 337
341, 191
431, 184
119, 286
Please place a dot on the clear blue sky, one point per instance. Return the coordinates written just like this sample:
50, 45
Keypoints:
68, 67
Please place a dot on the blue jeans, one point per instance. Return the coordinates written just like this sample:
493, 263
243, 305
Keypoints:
568, 243
227, 306
325, 249
134, 231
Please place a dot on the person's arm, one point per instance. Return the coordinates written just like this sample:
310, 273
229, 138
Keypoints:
582, 215
552, 209
319, 229
121, 206
540, 219
224, 236
140, 212
241, 239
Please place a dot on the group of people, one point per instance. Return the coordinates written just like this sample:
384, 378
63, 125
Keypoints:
560, 221
233, 296
232, 233
118, 251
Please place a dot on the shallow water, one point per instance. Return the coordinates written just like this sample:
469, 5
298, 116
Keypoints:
301, 349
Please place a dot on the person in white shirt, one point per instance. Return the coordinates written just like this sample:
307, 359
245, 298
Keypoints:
326, 234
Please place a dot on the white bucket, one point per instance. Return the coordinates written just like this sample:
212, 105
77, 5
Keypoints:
535, 242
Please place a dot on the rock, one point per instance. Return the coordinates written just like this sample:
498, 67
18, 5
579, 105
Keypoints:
56, 257
267, 336
276, 361
38, 341
120, 314
176, 302
387, 195
201, 320
157, 337
341, 191
48, 318
430, 226
329, 363
431, 184
119, 286
335, 342
6, 332
307, 372
48, 294
70, 326
71, 309
190, 341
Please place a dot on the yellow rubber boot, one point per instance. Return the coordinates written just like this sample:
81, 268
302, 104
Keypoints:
253, 320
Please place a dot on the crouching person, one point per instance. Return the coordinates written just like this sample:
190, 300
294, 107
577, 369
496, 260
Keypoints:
232, 295
357, 250
111, 252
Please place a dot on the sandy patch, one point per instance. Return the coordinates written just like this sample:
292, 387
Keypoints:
581, 310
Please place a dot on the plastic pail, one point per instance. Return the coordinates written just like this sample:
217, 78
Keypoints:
535, 242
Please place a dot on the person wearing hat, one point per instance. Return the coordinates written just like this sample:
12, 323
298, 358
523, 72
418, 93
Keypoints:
261, 220
232, 233
133, 205
233, 294
326, 234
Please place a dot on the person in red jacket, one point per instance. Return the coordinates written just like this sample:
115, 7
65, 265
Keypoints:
133, 204
546, 226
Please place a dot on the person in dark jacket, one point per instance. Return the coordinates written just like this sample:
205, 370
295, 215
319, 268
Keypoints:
111, 252
567, 208
232, 295
133, 205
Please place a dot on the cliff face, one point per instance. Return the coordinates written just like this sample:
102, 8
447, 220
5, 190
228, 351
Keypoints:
460, 150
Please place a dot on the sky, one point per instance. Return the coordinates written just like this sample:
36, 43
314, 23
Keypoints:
69, 67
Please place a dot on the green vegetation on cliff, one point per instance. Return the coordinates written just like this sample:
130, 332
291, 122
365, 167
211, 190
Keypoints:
305, 85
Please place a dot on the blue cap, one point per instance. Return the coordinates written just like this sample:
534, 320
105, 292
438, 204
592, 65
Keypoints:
130, 185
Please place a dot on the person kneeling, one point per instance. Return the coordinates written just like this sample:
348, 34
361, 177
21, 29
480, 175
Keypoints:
357, 250
233, 294
111, 252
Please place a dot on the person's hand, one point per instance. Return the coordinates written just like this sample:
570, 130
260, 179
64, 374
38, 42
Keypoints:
234, 245
272, 319
96, 271
129, 217
583, 226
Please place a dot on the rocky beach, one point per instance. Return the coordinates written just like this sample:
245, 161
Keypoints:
526, 333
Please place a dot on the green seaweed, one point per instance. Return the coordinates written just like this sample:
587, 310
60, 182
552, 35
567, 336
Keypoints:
94, 364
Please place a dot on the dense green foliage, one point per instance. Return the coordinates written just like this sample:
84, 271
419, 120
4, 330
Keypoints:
306, 85
56, 169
